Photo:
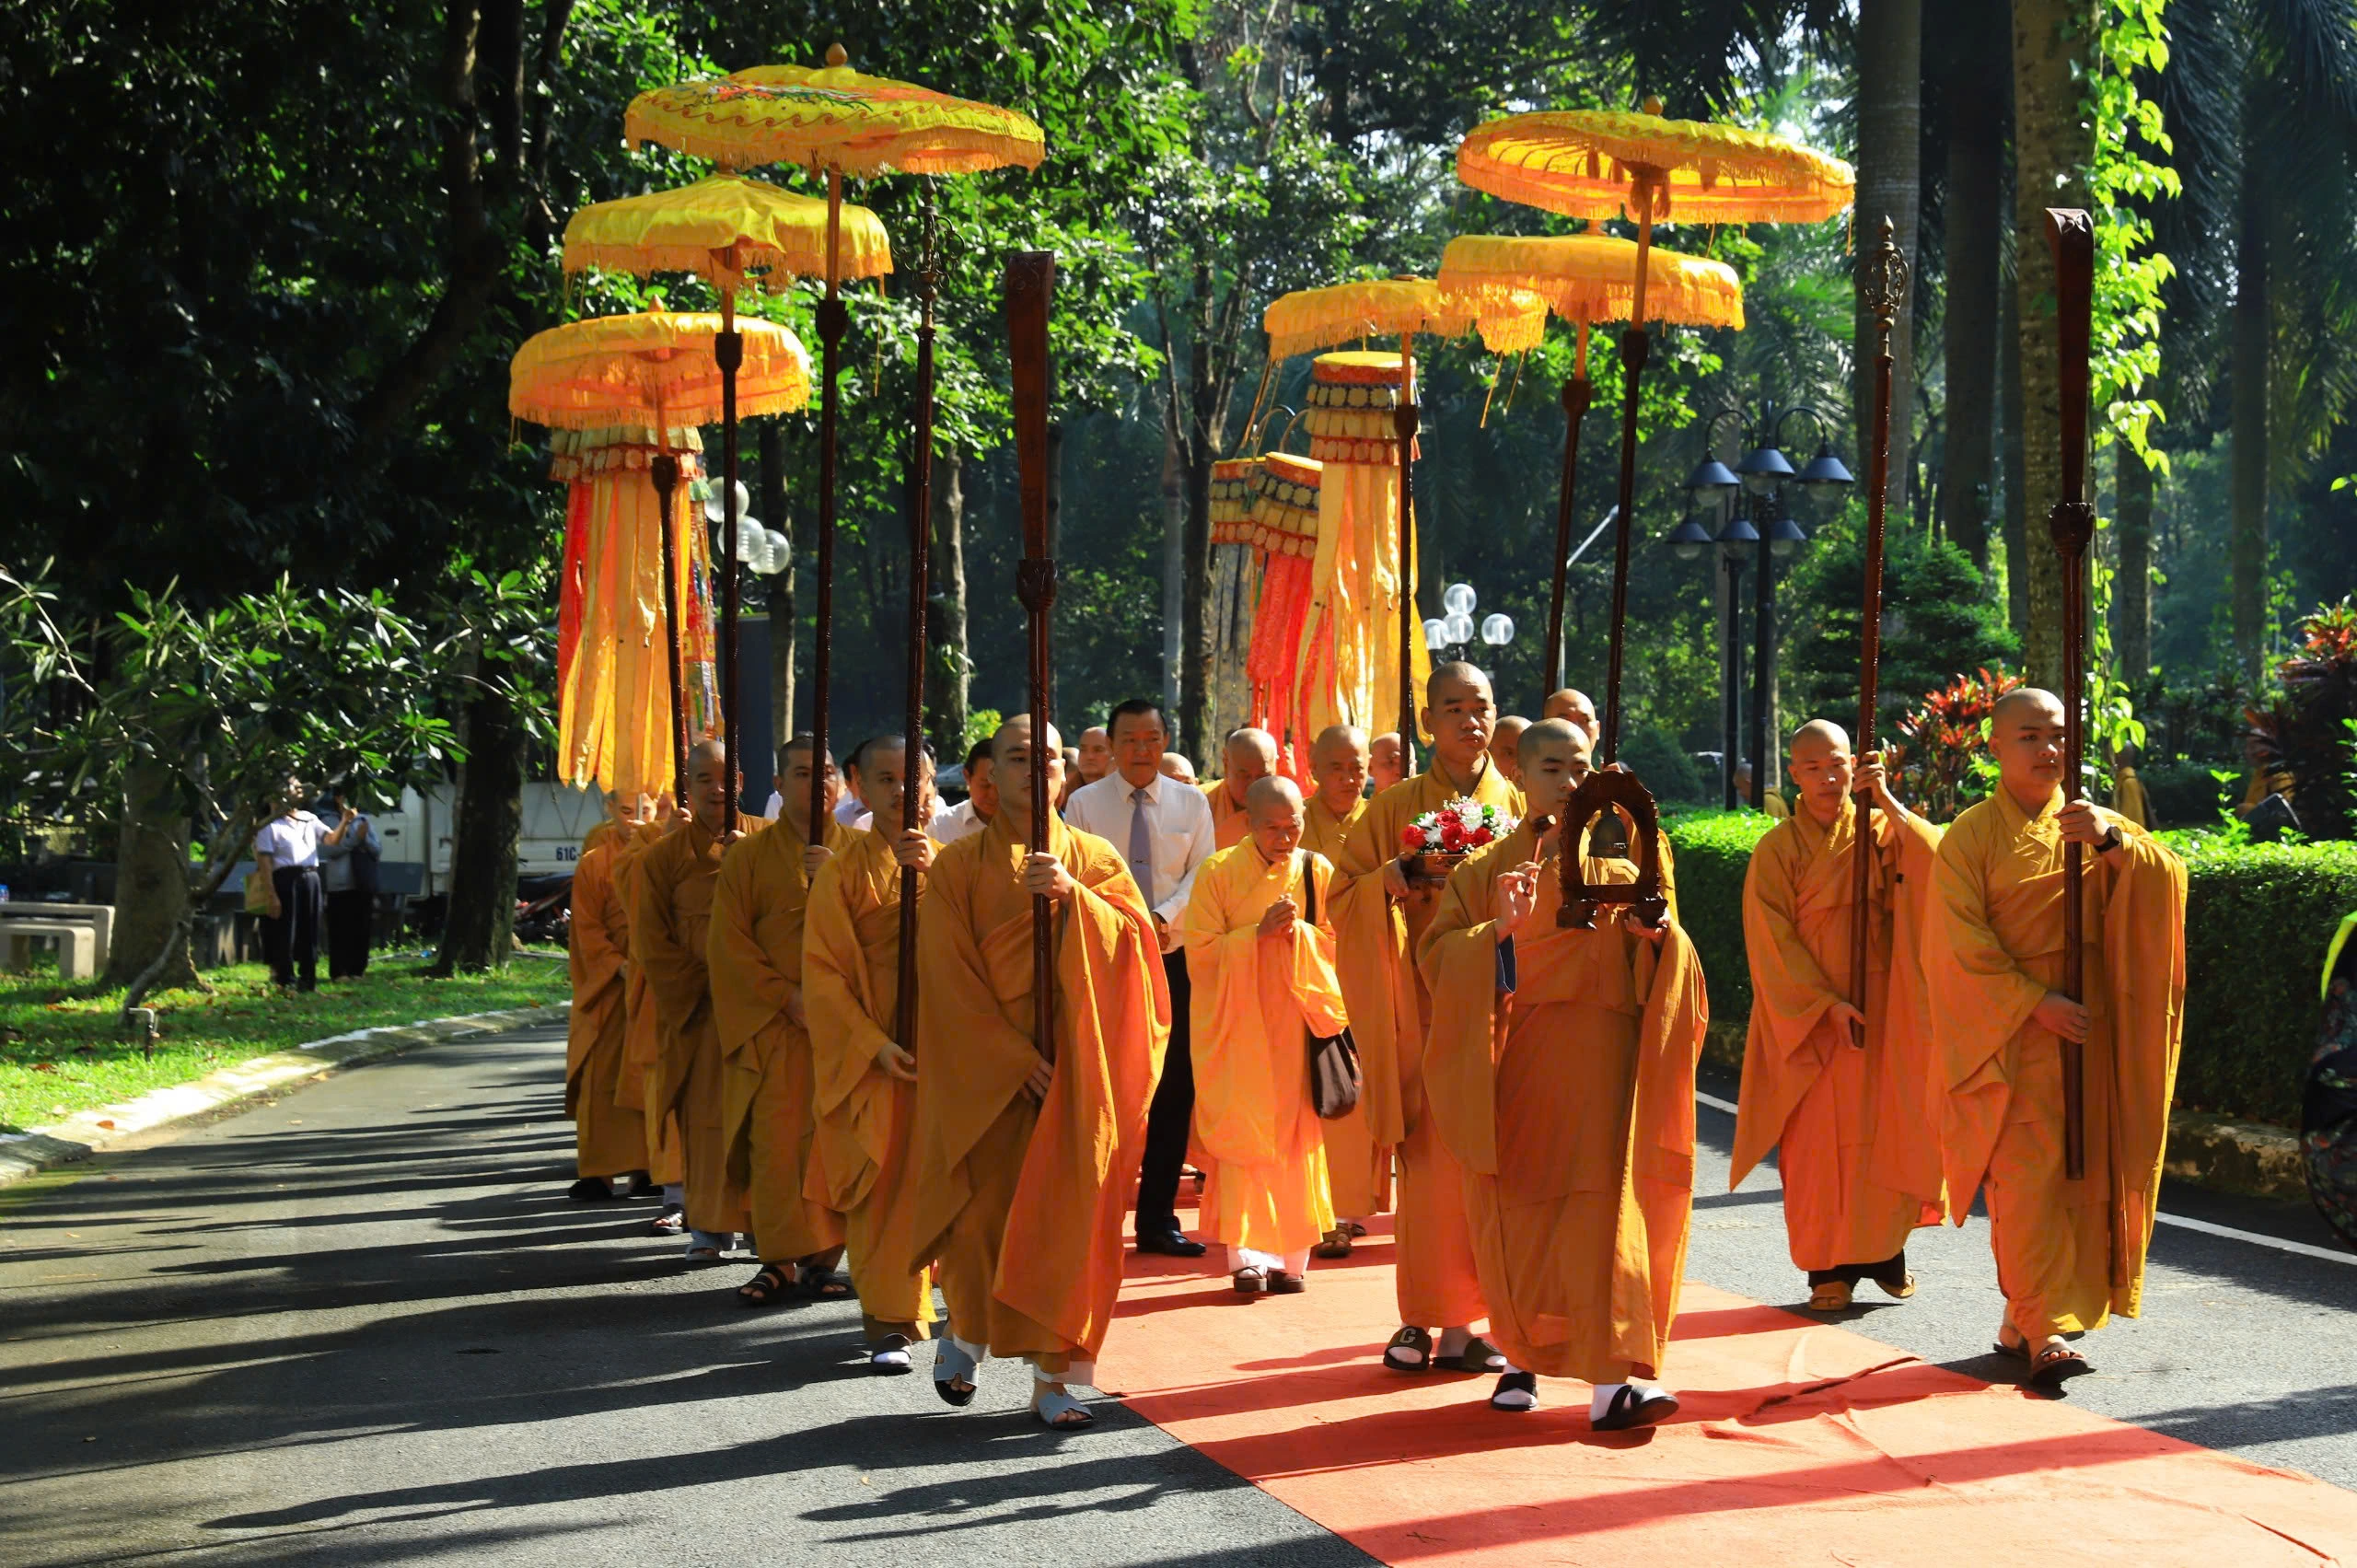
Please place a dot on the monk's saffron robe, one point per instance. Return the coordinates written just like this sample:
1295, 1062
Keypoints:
608, 1128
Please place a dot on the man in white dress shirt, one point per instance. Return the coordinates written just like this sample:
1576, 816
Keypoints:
973, 814
1164, 828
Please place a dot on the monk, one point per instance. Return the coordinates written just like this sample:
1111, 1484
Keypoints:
1560, 1071
608, 1127
1024, 1161
2069, 1253
642, 1086
1379, 916
1095, 755
1176, 766
1857, 1123
1385, 766
1505, 743
768, 1121
1771, 801
1572, 705
865, 1081
1358, 1173
1260, 951
670, 913
1250, 755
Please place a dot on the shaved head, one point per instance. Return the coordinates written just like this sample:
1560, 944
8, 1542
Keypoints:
1572, 705
1250, 755
2027, 736
1820, 735
1551, 754
1018, 729
2015, 705
1011, 766
1455, 673
1458, 710
1270, 792
1385, 764
1338, 764
1336, 738
1822, 769
1503, 742
1273, 814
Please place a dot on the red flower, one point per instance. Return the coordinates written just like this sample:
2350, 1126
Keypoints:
1481, 836
1412, 839
1452, 837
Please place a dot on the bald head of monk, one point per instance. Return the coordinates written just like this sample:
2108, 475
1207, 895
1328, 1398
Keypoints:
1385, 765
708, 783
1338, 763
1249, 756
2025, 738
794, 771
1176, 766
1552, 755
1458, 712
885, 780
1095, 753
1572, 705
1506, 744
1011, 769
1822, 769
1272, 815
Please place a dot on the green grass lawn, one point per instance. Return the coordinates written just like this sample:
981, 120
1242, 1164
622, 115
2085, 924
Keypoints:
59, 1053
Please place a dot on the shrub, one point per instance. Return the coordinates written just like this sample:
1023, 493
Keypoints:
1713, 851
1655, 757
2184, 794
2304, 730
1938, 764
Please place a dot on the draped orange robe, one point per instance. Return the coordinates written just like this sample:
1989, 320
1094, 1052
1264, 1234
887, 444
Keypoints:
850, 987
1229, 818
1358, 1171
1859, 1129
768, 1123
1021, 1204
609, 1130
1570, 1103
640, 1087
1257, 1000
2069, 1253
1390, 1008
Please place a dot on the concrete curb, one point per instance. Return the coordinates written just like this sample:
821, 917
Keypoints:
79, 1137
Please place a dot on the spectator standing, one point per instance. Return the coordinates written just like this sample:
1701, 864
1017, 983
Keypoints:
348, 878
287, 849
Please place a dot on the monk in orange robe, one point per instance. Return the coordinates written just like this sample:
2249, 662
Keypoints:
641, 1088
1249, 754
1572, 705
1560, 1071
1858, 1123
753, 952
865, 1082
1506, 747
1379, 916
1261, 952
670, 917
1385, 765
2069, 1253
1025, 1162
608, 1127
1358, 1172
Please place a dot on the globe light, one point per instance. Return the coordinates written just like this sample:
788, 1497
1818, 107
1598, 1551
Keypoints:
1435, 635
1458, 628
1497, 630
713, 504
1457, 599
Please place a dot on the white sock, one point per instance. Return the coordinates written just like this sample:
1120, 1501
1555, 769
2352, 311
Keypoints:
1513, 1399
1602, 1403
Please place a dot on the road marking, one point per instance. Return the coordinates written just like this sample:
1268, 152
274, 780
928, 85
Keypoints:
2303, 1248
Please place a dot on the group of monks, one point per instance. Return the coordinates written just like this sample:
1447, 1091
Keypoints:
1525, 1104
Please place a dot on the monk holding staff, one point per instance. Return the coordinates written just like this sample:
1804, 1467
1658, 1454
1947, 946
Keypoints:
1249, 756
1358, 1174
1560, 1074
642, 1082
1261, 952
866, 1083
2069, 1253
1857, 1123
1025, 1159
1379, 916
608, 1127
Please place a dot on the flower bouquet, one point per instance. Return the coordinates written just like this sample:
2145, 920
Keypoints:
1437, 843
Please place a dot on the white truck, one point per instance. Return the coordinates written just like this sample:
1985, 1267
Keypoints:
416, 834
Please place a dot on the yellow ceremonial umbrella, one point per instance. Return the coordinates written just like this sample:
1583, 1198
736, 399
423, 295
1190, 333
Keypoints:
1584, 278
1608, 162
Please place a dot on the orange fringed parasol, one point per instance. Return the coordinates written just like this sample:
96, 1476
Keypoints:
1235, 592
654, 368
725, 227
1285, 534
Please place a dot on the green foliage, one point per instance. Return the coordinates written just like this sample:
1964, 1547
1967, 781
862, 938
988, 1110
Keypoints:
1654, 756
1940, 764
2184, 794
2306, 732
1714, 851
2129, 177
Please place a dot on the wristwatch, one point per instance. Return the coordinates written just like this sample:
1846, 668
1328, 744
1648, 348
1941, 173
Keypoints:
2110, 841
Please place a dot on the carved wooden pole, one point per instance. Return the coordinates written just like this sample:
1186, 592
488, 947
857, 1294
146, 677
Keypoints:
1031, 284
2070, 233
1577, 391
904, 1019
1882, 284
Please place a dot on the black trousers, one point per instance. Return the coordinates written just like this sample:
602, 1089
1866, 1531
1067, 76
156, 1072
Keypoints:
348, 914
1173, 1112
293, 939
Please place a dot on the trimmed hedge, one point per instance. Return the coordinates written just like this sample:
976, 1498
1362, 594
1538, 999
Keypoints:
2258, 918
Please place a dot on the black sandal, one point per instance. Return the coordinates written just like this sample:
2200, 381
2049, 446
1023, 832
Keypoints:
1517, 1391
1479, 1355
826, 1285
1410, 1339
767, 1288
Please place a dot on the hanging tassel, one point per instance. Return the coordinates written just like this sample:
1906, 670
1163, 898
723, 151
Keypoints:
1486, 397
1515, 383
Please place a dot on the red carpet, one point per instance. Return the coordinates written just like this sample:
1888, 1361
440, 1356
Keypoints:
1797, 1444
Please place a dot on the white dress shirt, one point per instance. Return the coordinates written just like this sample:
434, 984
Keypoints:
956, 822
1178, 822
866, 820
848, 811
292, 840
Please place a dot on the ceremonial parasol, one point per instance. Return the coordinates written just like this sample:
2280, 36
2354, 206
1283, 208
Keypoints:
656, 368
1584, 278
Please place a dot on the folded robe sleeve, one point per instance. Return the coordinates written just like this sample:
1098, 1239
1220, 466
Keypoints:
848, 1017
748, 989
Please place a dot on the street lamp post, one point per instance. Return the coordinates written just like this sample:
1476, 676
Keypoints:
1453, 633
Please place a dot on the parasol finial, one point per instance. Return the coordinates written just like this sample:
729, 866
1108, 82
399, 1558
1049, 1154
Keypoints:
838, 55
1653, 106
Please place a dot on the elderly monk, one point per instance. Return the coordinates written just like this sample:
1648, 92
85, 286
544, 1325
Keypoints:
1176, 766
609, 1125
1560, 1072
1572, 705
669, 917
1505, 744
1358, 1173
2069, 1253
1261, 949
754, 951
1857, 1120
1096, 754
1024, 1159
1379, 916
642, 1086
1385, 765
866, 1081
1249, 756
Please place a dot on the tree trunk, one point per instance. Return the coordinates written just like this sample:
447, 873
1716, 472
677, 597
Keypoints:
951, 674
478, 933
2246, 507
1975, 225
151, 886
1174, 567
780, 594
1890, 184
1199, 443
2009, 396
2132, 626
2053, 149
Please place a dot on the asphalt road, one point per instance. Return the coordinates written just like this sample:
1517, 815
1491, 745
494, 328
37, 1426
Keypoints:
362, 1325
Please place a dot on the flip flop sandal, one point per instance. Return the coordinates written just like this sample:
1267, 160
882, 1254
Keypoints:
1336, 1244
767, 1288
1284, 1283
888, 1356
1899, 1291
672, 1221
1517, 1391
1479, 1355
951, 1363
1833, 1296
825, 1284
1353, 1226
1053, 1408
2057, 1364
1631, 1409
1415, 1340
1251, 1281
700, 1252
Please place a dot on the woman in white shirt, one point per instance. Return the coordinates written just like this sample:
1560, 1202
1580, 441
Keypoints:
287, 850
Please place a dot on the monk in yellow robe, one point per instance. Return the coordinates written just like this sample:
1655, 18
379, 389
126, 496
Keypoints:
1560, 1071
1358, 1172
753, 951
1250, 755
1379, 916
641, 1088
670, 917
865, 1081
1261, 953
2069, 1253
1857, 1123
1385, 764
1024, 1161
1571, 704
1506, 747
608, 1127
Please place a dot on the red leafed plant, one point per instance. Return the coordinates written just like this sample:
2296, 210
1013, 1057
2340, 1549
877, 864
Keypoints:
1933, 764
2304, 730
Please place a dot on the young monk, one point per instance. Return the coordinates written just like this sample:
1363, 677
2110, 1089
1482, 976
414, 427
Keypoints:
642, 1086
1385, 766
1858, 1123
1505, 742
754, 951
670, 914
608, 1127
1250, 755
2069, 1253
1559, 1070
865, 1081
1572, 705
1379, 916
1358, 1173
1024, 1161
1261, 949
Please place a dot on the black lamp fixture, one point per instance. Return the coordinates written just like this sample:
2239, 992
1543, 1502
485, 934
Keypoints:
1826, 468
1711, 474
1785, 537
1762, 469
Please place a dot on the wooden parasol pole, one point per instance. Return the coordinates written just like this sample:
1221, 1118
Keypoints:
1031, 284
832, 321
1883, 285
1634, 345
904, 1020
2070, 233
728, 350
1404, 420
665, 472
1577, 391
